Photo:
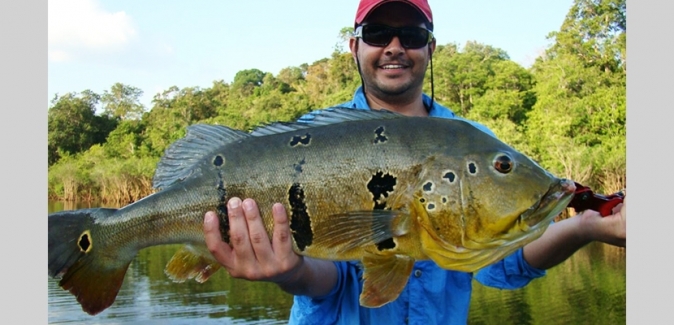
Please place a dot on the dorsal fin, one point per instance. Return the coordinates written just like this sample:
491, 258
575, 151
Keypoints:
334, 115
331, 115
180, 158
279, 127
183, 155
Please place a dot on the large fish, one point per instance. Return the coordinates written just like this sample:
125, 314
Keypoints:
373, 186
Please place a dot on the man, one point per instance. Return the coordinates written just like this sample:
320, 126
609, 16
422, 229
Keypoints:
392, 46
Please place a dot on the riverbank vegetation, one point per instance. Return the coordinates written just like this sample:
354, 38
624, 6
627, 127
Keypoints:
567, 111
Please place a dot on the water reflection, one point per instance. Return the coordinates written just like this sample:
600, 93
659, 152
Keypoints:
148, 295
589, 288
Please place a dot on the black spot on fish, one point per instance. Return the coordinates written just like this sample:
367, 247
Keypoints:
221, 210
218, 160
472, 168
428, 186
430, 206
444, 199
380, 185
386, 244
300, 140
422, 200
450, 176
84, 243
379, 136
298, 166
300, 222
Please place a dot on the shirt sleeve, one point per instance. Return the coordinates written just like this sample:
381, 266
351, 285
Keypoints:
512, 272
337, 307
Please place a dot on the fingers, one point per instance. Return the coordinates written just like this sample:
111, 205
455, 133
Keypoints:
610, 229
259, 239
218, 248
617, 208
238, 233
252, 254
282, 244
287, 261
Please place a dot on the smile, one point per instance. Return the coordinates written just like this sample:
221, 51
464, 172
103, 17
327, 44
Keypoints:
393, 66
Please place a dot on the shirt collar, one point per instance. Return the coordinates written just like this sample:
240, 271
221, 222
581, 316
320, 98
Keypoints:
360, 102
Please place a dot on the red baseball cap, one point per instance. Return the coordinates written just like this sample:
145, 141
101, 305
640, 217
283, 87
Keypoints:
365, 7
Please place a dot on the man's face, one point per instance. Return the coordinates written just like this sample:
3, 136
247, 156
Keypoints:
392, 70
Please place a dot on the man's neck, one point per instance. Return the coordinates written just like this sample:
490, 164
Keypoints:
410, 106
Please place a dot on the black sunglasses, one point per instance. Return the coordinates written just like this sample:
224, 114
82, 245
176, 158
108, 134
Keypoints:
381, 35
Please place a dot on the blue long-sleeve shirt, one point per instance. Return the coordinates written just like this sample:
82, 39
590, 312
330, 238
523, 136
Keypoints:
432, 295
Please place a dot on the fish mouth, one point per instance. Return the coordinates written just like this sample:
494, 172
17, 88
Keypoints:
552, 203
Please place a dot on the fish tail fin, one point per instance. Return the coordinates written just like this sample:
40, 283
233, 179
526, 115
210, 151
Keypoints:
90, 270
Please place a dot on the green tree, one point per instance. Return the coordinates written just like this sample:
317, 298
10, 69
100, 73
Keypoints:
73, 125
245, 81
577, 126
123, 102
595, 32
460, 77
126, 140
343, 38
291, 75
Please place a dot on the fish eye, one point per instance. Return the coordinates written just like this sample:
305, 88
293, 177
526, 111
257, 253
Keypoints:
503, 164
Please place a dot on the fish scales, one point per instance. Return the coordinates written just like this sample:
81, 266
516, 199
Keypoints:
378, 187
333, 169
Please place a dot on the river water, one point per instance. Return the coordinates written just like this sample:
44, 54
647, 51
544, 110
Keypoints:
588, 288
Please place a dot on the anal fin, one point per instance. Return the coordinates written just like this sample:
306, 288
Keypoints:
384, 277
191, 262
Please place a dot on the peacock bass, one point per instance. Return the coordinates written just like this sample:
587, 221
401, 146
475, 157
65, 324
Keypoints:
373, 186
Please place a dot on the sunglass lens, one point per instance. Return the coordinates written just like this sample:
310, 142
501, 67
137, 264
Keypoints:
413, 38
377, 35
410, 37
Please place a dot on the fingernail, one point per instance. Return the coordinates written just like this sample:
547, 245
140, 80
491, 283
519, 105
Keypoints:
234, 202
278, 208
209, 220
248, 205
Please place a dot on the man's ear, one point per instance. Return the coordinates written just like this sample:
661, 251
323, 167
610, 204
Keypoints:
431, 47
353, 46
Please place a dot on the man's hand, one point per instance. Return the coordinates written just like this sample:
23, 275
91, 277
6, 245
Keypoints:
611, 229
254, 256
564, 238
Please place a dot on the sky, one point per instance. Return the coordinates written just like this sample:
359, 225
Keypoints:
153, 45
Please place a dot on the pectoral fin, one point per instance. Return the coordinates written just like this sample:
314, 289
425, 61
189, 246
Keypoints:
191, 263
358, 229
384, 278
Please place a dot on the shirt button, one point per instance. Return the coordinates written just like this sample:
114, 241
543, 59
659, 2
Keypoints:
417, 273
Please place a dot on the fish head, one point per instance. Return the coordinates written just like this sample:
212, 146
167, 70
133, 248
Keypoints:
479, 207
